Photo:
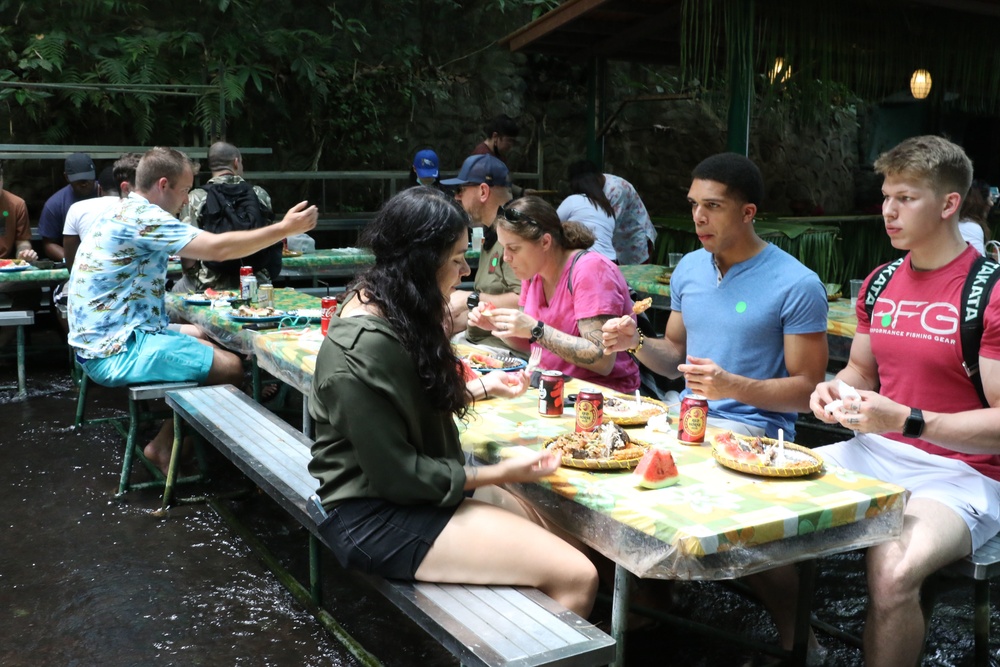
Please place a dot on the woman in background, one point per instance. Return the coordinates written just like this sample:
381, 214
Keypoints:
403, 503
972, 217
589, 206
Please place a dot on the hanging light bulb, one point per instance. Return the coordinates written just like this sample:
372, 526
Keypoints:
920, 84
780, 71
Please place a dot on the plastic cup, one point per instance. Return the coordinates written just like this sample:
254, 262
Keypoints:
673, 259
855, 291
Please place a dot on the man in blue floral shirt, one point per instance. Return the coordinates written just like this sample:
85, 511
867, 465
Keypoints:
117, 313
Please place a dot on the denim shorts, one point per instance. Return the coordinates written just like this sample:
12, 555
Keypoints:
161, 356
383, 538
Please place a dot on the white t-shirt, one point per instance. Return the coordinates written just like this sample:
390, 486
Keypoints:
579, 209
83, 214
971, 232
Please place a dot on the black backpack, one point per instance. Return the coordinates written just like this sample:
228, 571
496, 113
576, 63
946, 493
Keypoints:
975, 296
235, 207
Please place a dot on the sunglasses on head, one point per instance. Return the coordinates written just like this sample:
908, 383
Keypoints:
513, 215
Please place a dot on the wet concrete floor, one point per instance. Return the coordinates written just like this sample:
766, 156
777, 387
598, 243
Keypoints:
86, 579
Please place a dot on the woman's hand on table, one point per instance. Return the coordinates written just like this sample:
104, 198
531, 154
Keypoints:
619, 334
27, 254
529, 467
506, 384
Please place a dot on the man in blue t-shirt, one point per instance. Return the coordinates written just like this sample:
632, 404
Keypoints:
748, 323
79, 172
747, 327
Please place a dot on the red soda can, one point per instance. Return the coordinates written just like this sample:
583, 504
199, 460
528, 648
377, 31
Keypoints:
693, 420
589, 409
328, 306
550, 394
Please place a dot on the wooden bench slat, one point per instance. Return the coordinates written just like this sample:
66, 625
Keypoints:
539, 606
500, 634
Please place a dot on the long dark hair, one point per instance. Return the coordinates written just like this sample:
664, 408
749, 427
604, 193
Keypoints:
411, 237
586, 180
976, 208
541, 219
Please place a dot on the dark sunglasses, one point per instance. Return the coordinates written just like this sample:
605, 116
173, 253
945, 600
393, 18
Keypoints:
513, 215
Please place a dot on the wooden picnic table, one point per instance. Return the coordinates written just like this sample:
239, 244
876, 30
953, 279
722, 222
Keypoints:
715, 524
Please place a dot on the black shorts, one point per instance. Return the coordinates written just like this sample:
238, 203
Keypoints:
383, 538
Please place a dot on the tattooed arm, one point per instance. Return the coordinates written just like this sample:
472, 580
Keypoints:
585, 350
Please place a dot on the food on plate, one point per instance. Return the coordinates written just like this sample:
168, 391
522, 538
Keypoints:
250, 311
221, 294
10, 263
642, 305
657, 469
481, 361
290, 253
760, 451
213, 295
660, 423
619, 406
625, 410
609, 441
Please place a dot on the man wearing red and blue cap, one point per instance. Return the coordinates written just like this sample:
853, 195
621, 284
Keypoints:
482, 187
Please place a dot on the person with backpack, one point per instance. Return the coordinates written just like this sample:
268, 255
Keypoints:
910, 394
228, 203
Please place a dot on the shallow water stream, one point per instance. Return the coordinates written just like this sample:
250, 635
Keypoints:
86, 579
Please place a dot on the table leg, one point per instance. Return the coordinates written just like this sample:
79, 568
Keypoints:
255, 378
619, 613
807, 586
306, 417
175, 457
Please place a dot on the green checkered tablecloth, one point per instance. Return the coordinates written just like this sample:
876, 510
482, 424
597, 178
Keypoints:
216, 322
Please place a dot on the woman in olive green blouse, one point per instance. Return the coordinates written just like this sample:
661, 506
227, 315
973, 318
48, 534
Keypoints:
403, 502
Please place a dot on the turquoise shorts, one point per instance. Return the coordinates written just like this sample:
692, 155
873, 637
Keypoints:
163, 356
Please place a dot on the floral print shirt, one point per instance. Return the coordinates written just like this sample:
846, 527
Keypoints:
632, 224
119, 277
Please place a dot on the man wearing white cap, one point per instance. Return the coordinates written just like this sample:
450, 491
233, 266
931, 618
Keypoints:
81, 184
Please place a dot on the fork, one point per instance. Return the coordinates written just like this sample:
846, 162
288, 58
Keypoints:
533, 360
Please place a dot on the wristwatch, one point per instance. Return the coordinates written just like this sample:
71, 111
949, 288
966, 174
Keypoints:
472, 301
537, 331
913, 427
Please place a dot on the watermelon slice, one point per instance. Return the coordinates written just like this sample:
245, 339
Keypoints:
656, 469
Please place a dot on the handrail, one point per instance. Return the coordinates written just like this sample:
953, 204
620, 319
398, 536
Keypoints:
61, 151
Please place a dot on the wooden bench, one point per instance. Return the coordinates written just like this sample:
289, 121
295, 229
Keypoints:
480, 625
128, 428
980, 566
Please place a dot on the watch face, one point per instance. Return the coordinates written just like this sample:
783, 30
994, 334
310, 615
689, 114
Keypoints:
473, 300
